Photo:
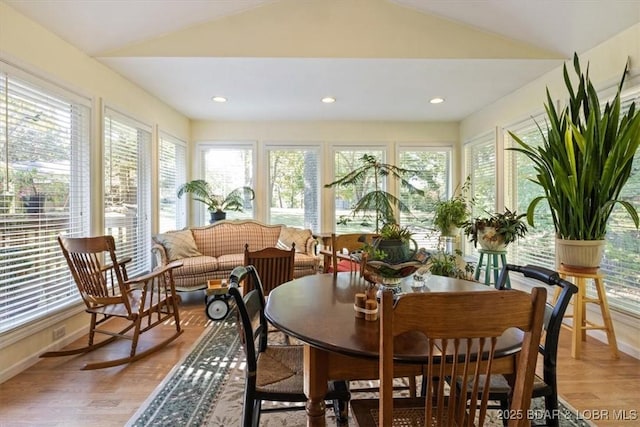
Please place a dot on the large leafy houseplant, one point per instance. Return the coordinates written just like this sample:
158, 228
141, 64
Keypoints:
497, 230
217, 203
377, 203
585, 159
451, 214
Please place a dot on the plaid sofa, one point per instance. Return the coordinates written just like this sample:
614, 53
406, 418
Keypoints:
212, 251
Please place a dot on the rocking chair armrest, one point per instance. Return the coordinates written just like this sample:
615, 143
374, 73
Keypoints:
141, 281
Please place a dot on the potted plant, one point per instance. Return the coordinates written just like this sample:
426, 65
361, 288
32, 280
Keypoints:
584, 161
217, 204
446, 264
395, 242
378, 203
451, 214
496, 231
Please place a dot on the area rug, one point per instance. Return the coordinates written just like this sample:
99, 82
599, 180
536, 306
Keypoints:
206, 389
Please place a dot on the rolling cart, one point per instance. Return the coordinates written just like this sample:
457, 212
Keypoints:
217, 299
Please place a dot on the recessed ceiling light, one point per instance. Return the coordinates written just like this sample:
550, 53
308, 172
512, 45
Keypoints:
219, 99
328, 100
436, 100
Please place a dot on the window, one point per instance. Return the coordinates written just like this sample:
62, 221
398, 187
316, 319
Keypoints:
172, 173
44, 191
127, 172
622, 253
225, 169
344, 161
538, 246
433, 175
480, 167
294, 184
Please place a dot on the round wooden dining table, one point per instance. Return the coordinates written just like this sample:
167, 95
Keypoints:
319, 311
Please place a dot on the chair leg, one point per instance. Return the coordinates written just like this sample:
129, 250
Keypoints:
257, 404
551, 406
504, 406
247, 409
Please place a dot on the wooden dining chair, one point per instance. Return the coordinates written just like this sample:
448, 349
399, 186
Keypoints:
273, 265
547, 385
273, 372
344, 252
143, 302
460, 324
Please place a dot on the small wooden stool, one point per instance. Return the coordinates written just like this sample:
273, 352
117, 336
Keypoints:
494, 258
580, 300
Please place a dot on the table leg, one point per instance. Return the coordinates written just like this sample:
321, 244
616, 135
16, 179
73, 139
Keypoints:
315, 384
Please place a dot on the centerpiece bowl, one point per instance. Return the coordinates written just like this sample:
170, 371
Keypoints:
387, 275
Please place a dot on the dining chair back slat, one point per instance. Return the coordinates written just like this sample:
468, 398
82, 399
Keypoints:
274, 266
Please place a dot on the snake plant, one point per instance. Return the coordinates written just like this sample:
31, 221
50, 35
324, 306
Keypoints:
585, 159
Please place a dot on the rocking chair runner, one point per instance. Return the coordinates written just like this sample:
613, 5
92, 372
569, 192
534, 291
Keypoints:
106, 290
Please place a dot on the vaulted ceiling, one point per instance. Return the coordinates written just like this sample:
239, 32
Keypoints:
380, 59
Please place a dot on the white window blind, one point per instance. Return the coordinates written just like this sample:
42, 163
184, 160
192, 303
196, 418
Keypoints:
172, 173
480, 167
433, 175
622, 253
44, 191
538, 246
344, 161
294, 187
127, 189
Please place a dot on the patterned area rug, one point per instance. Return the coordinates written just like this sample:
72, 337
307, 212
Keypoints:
206, 389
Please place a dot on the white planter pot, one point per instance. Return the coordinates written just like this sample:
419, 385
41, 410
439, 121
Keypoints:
490, 240
579, 254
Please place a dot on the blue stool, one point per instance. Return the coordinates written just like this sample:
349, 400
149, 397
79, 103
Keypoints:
493, 260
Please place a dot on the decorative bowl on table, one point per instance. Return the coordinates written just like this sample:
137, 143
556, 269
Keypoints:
387, 274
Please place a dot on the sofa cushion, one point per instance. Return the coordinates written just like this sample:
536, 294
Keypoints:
178, 244
230, 261
289, 235
197, 265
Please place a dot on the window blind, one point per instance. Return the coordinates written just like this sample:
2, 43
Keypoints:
480, 167
44, 192
172, 173
127, 188
538, 246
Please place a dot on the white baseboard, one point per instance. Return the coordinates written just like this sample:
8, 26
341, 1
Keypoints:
31, 360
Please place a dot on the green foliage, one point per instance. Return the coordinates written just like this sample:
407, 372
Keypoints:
394, 231
202, 192
453, 212
377, 204
509, 225
448, 265
585, 159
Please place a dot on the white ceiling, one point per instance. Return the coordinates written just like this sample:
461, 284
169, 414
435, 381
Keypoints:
289, 87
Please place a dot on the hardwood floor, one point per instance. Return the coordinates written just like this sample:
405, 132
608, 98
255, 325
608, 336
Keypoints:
55, 392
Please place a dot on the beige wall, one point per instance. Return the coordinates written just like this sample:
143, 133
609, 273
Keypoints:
607, 62
28, 46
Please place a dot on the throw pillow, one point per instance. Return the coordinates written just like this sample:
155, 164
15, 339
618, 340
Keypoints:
290, 235
179, 244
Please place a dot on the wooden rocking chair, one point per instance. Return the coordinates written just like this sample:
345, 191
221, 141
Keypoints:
144, 301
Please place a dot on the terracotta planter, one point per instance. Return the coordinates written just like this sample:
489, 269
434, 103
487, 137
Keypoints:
490, 240
579, 254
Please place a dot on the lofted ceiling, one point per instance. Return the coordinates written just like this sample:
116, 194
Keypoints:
380, 59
